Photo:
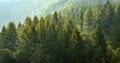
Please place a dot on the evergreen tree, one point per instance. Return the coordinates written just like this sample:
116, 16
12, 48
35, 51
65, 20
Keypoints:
3, 36
19, 27
67, 35
115, 36
9, 35
55, 17
88, 18
35, 20
28, 21
116, 56
39, 56
56, 38
101, 45
98, 15
6, 56
40, 28
77, 45
108, 17
115, 31
81, 19
27, 42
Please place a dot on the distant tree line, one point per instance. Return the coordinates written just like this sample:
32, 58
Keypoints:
90, 35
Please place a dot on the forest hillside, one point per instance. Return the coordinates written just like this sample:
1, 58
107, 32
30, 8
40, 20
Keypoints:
75, 34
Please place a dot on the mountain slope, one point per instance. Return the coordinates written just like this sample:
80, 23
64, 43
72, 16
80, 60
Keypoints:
17, 10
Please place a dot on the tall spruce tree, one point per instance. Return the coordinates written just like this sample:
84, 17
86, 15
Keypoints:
27, 42
76, 45
88, 17
115, 31
101, 45
3, 37
35, 20
9, 35
108, 17
55, 17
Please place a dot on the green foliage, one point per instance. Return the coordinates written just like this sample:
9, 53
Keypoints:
28, 21
2, 36
35, 20
116, 56
101, 45
88, 18
55, 17
65, 37
6, 56
115, 36
27, 42
9, 36
76, 46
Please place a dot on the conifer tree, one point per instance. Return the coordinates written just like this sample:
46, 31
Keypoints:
108, 17
35, 20
9, 35
98, 15
77, 45
67, 35
27, 42
39, 56
115, 31
101, 45
55, 17
3, 36
88, 17
28, 21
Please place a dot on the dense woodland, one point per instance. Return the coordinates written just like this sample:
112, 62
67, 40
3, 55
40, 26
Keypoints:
84, 34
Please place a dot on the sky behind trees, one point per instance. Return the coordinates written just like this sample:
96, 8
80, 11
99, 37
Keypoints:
17, 10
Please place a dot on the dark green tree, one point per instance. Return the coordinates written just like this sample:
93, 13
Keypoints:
115, 36
3, 36
6, 56
101, 45
115, 31
55, 17
28, 21
88, 19
27, 43
39, 56
35, 20
108, 17
68, 27
98, 15
9, 36
76, 45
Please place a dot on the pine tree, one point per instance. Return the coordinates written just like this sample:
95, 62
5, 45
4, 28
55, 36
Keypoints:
40, 28
28, 21
19, 27
108, 17
9, 35
115, 31
81, 19
55, 17
88, 19
68, 27
101, 45
115, 34
35, 20
3, 36
116, 12
39, 56
27, 42
77, 45
98, 15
